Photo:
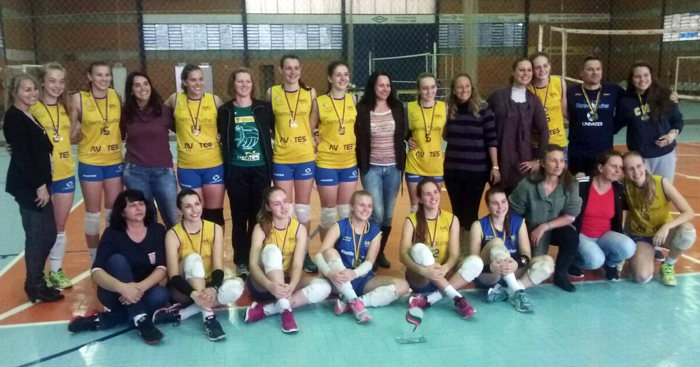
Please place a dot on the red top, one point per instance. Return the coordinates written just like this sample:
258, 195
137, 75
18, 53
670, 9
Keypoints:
598, 214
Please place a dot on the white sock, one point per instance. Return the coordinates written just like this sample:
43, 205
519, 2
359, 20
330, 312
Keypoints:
284, 304
92, 252
57, 252
381, 296
138, 318
513, 284
451, 292
188, 311
670, 261
272, 309
205, 314
434, 297
347, 291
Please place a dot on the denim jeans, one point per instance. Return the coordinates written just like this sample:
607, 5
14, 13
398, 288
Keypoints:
40, 235
156, 183
611, 249
382, 183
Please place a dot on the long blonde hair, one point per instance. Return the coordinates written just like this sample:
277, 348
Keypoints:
648, 188
15, 83
422, 76
264, 216
43, 71
475, 102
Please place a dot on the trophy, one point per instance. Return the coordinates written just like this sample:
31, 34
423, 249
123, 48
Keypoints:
411, 334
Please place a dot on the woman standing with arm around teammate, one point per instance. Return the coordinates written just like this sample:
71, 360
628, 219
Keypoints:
146, 125
244, 127
380, 130
551, 91
293, 166
336, 163
199, 161
95, 115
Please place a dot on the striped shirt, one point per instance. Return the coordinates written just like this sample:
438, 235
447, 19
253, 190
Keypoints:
382, 139
468, 139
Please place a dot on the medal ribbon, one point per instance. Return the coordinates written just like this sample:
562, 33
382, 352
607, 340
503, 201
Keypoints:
594, 109
292, 114
428, 129
195, 119
433, 238
341, 122
546, 92
57, 124
495, 233
201, 236
284, 241
105, 120
355, 244
642, 106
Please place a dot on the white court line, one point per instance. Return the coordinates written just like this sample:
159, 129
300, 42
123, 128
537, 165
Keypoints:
34, 324
690, 258
688, 176
677, 213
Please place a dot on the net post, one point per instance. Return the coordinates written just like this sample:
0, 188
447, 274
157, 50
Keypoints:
675, 82
563, 52
434, 61
540, 35
369, 64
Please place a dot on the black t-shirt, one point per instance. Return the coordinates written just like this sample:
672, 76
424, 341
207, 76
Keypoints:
144, 257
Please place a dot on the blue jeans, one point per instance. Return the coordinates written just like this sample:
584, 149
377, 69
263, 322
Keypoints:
155, 182
611, 249
382, 183
153, 299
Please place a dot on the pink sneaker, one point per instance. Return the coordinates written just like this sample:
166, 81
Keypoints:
464, 308
420, 301
289, 325
254, 313
359, 311
340, 307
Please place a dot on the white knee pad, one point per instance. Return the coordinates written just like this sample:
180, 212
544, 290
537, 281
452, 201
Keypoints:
471, 268
328, 217
684, 238
343, 211
92, 223
271, 257
421, 254
108, 215
381, 296
540, 270
303, 212
317, 291
498, 250
230, 291
193, 267
336, 264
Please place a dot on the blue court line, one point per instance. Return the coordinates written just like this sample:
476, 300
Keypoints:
71, 350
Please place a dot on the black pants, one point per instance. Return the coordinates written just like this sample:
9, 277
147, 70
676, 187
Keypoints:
465, 191
40, 236
585, 164
566, 238
245, 186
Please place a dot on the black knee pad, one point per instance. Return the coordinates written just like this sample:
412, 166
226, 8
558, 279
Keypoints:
214, 215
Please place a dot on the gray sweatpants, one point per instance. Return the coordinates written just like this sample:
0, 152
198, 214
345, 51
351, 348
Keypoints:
663, 166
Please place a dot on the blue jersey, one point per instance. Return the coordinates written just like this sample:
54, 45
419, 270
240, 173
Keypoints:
488, 232
592, 133
346, 246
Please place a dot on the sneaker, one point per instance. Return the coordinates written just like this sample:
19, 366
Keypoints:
309, 266
611, 273
420, 301
562, 282
496, 294
658, 254
254, 313
89, 322
359, 311
242, 271
340, 307
167, 315
289, 325
464, 308
575, 272
520, 302
213, 329
150, 334
667, 274
59, 279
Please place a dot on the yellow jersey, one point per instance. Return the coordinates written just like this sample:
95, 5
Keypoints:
196, 130
200, 243
99, 124
56, 122
293, 140
437, 234
645, 219
286, 240
550, 97
426, 126
337, 147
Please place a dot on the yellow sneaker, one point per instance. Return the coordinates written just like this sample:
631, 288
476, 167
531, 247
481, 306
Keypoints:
668, 275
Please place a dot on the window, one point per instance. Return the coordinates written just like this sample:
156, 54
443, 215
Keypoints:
501, 35
295, 37
293, 6
190, 37
450, 35
2, 39
687, 20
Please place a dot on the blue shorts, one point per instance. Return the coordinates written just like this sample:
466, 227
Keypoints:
358, 284
428, 288
257, 295
636, 239
294, 171
65, 186
332, 176
195, 178
92, 173
413, 178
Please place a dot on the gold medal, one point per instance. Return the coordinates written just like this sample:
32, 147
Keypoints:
105, 117
428, 139
105, 130
292, 123
645, 118
357, 246
341, 130
428, 128
356, 263
292, 113
196, 130
341, 120
57, 138
433, 238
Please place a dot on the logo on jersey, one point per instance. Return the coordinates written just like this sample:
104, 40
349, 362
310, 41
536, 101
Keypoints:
247, 136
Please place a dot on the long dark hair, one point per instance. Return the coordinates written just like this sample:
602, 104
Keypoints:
264, 216
475, 102
293, 57
421, 220
369, 97
493, 190
182, 194
155, 101
117, 220
567, 180
658, 97
186, 73
331, 68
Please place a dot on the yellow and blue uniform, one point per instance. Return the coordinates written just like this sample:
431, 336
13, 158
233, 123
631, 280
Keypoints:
199, 159
55, 120
645, 218
293, 151
489, 232
100, 151
550, 97
336, 160
200, 243
351, 256
426, 125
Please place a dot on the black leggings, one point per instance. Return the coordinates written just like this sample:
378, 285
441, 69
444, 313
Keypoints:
566, 238
465, 193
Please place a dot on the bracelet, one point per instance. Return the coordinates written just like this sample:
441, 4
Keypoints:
496, 168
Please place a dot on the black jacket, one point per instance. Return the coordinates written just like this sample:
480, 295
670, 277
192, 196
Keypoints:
264, 119
363, 133
584, 187
30, 164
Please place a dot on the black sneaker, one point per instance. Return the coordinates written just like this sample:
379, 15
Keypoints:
611, 273
213, 329
575, 272
89, 322
167, 315
150, 334
562, 282
658, 255
309, 266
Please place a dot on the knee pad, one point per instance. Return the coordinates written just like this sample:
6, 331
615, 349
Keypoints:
684, 238
421, 254
193, 266
343, 211
92, 223
471, 268
498, 250
381, 296
108, 217
414, 208
540, 270
317, 291
303, 212
271, 257
327, 217
230, 291
214, 215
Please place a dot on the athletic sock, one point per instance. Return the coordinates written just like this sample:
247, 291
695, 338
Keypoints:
284, 304
513, 283
57, 252
434, 297
347, 291
138, 318
205, 314
272, 309
670, 261
451, 292
188, 311
92, 252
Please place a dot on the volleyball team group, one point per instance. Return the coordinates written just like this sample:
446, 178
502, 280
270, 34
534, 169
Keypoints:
267, 154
